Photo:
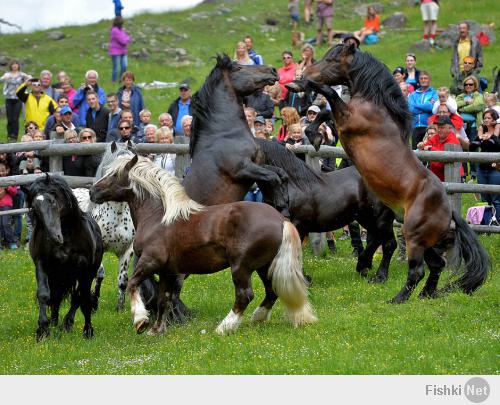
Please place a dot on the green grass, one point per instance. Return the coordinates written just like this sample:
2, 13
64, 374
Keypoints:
357, 332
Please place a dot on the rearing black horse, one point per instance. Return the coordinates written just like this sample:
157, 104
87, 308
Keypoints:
67, 249
225, 158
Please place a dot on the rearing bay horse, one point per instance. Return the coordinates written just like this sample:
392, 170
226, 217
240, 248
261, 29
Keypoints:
374, 128
225, 158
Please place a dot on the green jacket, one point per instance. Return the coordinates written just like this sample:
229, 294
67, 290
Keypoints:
476, 108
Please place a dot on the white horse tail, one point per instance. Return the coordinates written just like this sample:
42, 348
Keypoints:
287, 278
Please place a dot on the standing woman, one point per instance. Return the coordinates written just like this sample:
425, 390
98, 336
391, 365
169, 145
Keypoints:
241, 55
430, 12
412, 73
118, 44
488, 141
12, 80
130, 97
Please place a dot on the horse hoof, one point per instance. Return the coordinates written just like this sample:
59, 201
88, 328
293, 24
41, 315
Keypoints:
42, 333
397, 300
141, 326
377, 279
88, 332
364, 272
120, 307
427, 295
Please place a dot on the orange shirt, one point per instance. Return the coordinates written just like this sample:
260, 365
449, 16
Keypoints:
374, 24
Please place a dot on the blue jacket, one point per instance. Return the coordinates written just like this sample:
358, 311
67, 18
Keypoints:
420, 104
136, 102
80, 102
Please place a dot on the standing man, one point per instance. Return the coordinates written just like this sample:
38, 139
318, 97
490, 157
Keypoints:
97, 116
464, 46
80, 100
257, 59
324, 15
420, 104
114, 111
430, 12
39, 106
180, 107
46, 81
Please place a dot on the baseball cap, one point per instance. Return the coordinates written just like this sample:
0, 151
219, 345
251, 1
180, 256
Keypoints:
260, 119
399, 69
65, 110
184, 86
314, 108
443, 120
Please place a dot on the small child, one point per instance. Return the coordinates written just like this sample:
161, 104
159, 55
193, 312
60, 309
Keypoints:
145, 117
296, 138
27, 161
6, 203
445, 98
293, 9
490, 99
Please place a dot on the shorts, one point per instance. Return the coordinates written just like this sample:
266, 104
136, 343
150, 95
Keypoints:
324, 21
430, 11
308, 3
295, 17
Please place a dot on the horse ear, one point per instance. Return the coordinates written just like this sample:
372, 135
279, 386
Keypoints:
131, 146
352, 48
114, 147
47, 178
132, 162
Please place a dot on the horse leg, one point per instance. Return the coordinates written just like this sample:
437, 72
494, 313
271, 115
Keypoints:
69, 318
97, 289
263, 311
123, 277
85, 293
55, 304
365, 257
271, 180
43, 297
415, 271
388, 248
178, 311
164, 300
244, 295
436, 264
146, 266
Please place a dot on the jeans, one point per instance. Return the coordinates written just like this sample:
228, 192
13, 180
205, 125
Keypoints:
18, 202
123, 61
6, 232
255, 196
490, 176
13, 109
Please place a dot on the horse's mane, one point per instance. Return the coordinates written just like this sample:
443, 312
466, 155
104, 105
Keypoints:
147, 178
55, 185
298, 172
372, 80
202, 102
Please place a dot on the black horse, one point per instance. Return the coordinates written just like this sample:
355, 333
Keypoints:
225, 159
67, 250
321, 202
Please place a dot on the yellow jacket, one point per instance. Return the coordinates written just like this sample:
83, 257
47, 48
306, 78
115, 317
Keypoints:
37, 110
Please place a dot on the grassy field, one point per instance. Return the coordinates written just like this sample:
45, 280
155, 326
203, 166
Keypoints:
358, 333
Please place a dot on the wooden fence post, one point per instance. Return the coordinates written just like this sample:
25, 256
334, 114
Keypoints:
182, 162
316, 240
452, 175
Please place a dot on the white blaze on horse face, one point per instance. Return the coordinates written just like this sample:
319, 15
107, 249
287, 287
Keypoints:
229, 324
39, 198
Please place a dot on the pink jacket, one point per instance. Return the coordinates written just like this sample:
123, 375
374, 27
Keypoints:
6, 200
118, 42
287, 75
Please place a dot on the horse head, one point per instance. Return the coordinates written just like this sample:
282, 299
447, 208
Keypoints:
115, 185
334, 68
244, 79
312, 130
113, 151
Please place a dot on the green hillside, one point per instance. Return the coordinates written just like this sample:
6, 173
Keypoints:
217, 29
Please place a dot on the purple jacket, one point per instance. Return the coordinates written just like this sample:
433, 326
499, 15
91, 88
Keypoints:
118, 42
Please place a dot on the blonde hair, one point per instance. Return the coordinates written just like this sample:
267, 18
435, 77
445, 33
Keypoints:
491, 96
246, 58
144, 111
290, 116
70, 132
445, 90
164, 132
294, 127
474, 79
89, 130
26, 138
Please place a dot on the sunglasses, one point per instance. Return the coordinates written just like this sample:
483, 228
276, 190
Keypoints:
32, 127
35, 84
287, 57
468, 63
86, 138
122, 128
469, 84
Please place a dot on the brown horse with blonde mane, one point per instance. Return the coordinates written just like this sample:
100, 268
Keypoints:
373, 128
176, 235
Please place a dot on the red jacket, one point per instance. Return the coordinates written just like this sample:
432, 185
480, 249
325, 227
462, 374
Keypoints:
456, 120
287, 75
6, 200
436, 145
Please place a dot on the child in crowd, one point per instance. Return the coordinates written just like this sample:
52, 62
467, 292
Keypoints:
6, 193
28, 162
293, 9
444, 98
490, 99
296, 138
145, 117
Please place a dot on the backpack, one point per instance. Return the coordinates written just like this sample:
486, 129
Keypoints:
482, 215
371, 39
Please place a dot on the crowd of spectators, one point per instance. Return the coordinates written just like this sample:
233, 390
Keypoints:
463, 113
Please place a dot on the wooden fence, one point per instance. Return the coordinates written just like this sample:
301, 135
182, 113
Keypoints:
55, 151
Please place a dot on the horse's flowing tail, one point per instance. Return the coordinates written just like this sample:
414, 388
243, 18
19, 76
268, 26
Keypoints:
287, 277
476, 262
